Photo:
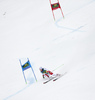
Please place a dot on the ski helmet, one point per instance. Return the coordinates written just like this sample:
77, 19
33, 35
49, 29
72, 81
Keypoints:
40, 68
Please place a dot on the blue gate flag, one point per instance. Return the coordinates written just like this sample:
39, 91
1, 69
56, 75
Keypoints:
26, 65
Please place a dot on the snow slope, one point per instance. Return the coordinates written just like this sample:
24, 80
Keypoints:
27, 29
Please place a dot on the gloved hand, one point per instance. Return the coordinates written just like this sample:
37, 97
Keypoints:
47, 72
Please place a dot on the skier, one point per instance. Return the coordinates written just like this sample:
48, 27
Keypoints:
47, 73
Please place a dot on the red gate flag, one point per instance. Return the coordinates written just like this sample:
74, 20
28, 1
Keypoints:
55, 6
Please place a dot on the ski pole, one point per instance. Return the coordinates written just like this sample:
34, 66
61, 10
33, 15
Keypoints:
58, 67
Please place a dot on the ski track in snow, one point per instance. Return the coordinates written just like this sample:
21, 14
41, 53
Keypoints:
17, 92
72, 29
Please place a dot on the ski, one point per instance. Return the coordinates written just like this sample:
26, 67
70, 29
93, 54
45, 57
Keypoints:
54, 78
59, 76
48, 80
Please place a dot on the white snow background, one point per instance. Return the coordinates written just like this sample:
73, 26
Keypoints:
28, 30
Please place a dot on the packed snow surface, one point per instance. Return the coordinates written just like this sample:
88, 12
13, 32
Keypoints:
28, 30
